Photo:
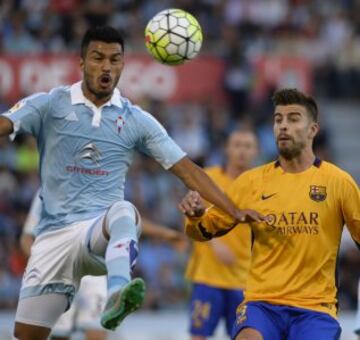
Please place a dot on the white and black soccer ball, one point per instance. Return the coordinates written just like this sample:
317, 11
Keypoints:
173, 36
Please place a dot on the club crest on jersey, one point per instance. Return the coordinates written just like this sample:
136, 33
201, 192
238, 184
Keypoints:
317, 193
119, 123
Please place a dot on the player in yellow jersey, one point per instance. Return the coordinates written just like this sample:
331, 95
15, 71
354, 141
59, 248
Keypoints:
292, 287
218, 269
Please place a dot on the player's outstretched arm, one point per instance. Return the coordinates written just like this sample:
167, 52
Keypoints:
6, 126
203, 225
197, 180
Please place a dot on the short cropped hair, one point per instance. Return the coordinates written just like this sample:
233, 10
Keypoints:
288, 96
106, 34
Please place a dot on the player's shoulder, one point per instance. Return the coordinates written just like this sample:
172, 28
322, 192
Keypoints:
259, 171
60, 91
135, 111
335, 172
142, 119
255, 175
55, 94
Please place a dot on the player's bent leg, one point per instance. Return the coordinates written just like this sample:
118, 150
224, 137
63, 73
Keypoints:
36, 315
122, 226
207, 306
249, 334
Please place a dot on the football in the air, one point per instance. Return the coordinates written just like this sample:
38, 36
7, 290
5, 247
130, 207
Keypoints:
173, 37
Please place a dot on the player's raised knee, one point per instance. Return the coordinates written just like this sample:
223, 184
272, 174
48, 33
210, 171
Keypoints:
123, 209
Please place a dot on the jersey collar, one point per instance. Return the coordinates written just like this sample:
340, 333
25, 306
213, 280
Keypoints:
77, 96
317, 163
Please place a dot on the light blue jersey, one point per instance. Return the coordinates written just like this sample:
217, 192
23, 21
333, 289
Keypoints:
85, 151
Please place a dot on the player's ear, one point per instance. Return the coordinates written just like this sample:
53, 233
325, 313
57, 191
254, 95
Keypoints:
314, 129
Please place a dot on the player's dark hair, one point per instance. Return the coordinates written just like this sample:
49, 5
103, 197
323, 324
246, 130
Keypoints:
106, 34
293, 96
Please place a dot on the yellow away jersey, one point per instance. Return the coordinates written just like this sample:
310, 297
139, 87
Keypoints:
204, 267
294, 255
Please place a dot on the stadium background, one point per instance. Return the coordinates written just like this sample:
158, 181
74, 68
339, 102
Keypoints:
251, 47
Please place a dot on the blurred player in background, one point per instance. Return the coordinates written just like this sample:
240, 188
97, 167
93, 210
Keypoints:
86, 135
292, 287
218, 269
85, 312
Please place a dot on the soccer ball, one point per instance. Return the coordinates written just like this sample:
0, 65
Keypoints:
173, 36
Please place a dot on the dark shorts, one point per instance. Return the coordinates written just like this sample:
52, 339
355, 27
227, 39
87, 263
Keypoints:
209, 305
276, 322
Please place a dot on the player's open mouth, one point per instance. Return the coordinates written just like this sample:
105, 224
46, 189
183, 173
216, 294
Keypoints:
105, 80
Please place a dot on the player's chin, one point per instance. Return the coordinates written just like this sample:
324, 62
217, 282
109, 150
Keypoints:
104, 92
288, 153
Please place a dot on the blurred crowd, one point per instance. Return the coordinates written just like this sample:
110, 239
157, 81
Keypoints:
325, 32
236, 30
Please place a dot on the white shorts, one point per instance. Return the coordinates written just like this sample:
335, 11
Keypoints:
86, 309
59, 259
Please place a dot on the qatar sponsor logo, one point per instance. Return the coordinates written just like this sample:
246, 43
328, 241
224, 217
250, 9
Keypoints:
293, 223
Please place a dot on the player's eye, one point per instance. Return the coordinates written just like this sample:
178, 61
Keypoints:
98, 58
116, 60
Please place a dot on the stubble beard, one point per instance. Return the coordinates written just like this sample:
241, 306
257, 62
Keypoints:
291, 152
99, 94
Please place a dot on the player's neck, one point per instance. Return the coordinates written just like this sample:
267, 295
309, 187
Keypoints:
92, 97
297, 164
234, 171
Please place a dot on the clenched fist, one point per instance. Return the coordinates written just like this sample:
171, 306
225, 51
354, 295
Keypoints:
192, 204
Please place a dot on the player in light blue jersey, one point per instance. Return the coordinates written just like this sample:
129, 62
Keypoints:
86, 135
85, 312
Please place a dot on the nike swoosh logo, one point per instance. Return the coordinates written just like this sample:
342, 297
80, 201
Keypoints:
263, 197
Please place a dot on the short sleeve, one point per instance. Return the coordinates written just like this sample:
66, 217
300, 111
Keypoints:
153, 140
27, 114
350, 206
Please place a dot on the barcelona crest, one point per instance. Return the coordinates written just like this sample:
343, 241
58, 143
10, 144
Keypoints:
241, 314
317, 193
